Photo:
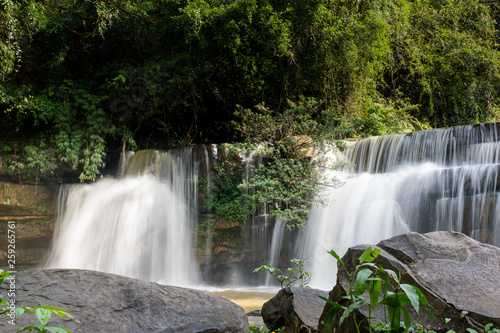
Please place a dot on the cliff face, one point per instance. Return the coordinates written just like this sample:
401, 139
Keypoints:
33, 209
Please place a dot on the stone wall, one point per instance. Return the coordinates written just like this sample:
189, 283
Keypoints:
33, 208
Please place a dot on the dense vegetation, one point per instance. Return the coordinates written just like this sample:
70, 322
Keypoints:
79, 78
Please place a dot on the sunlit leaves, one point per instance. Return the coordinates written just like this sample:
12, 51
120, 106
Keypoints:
370, 287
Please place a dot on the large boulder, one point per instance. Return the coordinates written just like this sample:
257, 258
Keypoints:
456, 273
294, 309
102, 302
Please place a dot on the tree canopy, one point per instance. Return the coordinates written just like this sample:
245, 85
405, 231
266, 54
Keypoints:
79, 78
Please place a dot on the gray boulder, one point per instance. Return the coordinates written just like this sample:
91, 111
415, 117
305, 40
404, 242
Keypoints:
294, 309
102, 302
456, 273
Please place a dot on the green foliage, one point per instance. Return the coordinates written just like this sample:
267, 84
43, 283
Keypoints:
372, 286
35, 162
445, 60
77, 127
294, 276
386, 118
87, 75
223, 196
261, 329
288, 180
488, 328
43, 313
287, 185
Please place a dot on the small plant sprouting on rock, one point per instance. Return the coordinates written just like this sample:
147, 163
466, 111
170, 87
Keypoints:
371, 286
296, 277
262, 329
487, 328
43, 313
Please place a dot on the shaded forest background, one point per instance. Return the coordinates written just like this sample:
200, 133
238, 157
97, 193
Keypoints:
81, 78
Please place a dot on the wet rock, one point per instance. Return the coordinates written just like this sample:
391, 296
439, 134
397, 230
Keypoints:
294, 309
455, 272
102, 302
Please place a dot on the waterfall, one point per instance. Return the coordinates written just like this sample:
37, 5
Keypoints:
142, 223
276, 245
137, 226
444, 179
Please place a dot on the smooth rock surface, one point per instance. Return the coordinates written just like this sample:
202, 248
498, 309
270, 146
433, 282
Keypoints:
294, 309
455, 272
102, 302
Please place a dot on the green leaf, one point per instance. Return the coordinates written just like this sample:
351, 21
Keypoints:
407, 317
56, 310
57, 330
424, 302
19, 311
336, 256
375, 289
386, 278
330, 315
351, 308
328, 301
487, 327
396, 300
365, 255
412, 295
28, 309
470, 330
369, 255
31, 328
43, 315
394, 317
393, 275
361, 277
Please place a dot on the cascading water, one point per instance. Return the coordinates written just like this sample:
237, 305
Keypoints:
141, 223
276, 245
138, 226
424, 181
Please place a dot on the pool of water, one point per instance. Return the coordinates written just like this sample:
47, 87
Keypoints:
249, 300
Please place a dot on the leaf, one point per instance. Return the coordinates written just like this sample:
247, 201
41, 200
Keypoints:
330, 315
407, 317
336, 256
387, 280
351, 308
31, 328
392, 274
56, 310
19, 311
412, 295
487, 327
394, 317
43, 315
57, 330
365, 255
424, 302
361, 277
28, 309
374, 255
369, 255
375, 289
329, 301
396, 300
